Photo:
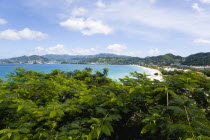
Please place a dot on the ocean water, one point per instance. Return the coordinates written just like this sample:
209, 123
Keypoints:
115, 71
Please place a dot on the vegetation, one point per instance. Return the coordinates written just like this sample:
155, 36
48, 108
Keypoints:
60, 59
79, 57
199, 59
79, 105
166, 59
175, 72
25, 59
206, 72
113, 60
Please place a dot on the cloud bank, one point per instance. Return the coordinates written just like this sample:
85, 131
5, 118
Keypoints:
26, 33
87, 26
61, 49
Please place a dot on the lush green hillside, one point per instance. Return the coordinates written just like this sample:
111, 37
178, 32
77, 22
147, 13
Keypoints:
199, 59
63, 59
25, 59
112, 60
79, 105
79, 57
166, 59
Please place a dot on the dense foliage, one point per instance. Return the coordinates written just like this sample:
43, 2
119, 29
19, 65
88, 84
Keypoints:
166, 59
205, 71
174, 72
79, 105
199, 59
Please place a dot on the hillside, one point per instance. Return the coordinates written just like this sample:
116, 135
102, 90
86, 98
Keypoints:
199, 59
166, 59
113, 60
35, 59
79, 57
62, 59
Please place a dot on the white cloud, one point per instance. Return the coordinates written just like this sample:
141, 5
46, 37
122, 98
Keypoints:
201, 41
39, 49
23, 34
100, 4
196, 7
58, 49
2, 21
87, 26
144, 14
205, 1
81, 51
152, 1
153, 52
61, 49
116, 48
78, 12
136, 53
173, 51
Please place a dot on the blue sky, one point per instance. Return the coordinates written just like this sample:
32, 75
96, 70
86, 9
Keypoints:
80, 27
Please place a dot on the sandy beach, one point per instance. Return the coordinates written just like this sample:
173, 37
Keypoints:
152, 72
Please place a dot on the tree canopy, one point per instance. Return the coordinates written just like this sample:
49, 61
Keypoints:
81, 105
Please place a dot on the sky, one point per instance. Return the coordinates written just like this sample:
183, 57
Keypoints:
84, 27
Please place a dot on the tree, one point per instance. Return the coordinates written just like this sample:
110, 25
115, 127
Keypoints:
82, 105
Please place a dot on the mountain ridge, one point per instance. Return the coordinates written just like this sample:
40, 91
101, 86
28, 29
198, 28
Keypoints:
198, 59
79, 57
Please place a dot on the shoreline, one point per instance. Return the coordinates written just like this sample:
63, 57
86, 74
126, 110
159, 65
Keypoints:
151, 73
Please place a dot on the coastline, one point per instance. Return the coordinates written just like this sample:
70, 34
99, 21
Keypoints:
151, 74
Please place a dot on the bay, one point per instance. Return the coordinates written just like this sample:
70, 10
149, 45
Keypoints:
115, 71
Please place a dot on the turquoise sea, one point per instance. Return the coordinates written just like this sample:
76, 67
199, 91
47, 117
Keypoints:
115, 71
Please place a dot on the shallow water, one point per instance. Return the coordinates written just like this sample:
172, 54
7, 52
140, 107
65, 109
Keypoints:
115, 71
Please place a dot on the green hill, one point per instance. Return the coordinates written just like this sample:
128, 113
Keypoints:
113, 60
79, 57
26, 59
166, 59
199, 59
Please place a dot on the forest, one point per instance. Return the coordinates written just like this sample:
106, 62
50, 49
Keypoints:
87, 105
